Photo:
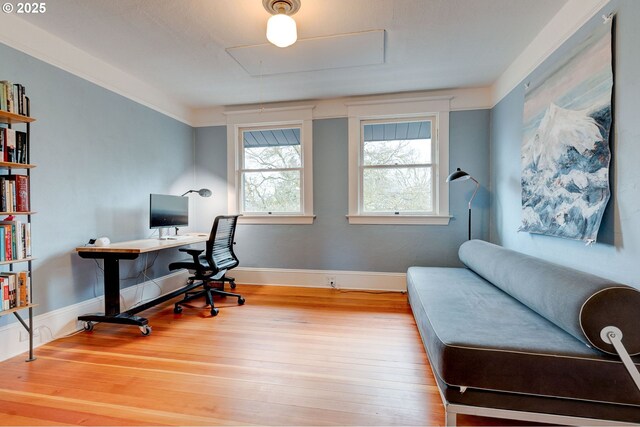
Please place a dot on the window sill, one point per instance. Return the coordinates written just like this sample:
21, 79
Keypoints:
400, 219
276, 219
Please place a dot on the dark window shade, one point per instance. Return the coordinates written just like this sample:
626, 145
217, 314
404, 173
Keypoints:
397, 131
271, 138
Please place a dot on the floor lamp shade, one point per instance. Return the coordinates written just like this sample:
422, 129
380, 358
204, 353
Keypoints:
460, 175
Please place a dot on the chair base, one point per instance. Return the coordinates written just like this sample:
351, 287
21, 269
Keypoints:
208, 291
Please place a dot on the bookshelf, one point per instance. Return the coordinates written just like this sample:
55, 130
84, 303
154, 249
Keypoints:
20, 252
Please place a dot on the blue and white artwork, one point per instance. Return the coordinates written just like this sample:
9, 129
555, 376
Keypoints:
565, 147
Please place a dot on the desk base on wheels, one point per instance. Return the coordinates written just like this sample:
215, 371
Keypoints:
112, 254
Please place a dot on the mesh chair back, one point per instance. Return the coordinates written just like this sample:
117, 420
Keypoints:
219, 252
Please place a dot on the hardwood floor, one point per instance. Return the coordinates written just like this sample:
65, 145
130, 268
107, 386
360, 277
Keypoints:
290, 356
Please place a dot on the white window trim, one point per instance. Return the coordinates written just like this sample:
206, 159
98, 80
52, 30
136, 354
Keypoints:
295, 116
437, 107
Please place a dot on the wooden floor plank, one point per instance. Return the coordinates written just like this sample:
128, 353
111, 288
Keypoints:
290, 356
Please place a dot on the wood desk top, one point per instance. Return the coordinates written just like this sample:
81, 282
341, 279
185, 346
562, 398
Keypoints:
146, 245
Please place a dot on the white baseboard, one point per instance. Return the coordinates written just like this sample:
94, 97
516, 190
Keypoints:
364, 280
64, 321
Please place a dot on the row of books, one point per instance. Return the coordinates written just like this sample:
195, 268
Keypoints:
14, 289
13, 98
15, 240
13, 146
14, 193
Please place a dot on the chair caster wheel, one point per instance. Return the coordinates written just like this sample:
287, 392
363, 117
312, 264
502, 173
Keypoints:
241, 301
232, 285
145, 330
88, 326
177, 309
214, 312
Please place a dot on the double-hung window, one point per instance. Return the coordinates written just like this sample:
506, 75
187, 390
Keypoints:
271, 171
270, 166
396, 167
398, 162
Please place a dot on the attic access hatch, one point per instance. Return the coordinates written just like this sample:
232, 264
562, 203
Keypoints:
320, 53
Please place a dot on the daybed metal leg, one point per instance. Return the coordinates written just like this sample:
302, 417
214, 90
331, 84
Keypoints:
449, 418
612, 335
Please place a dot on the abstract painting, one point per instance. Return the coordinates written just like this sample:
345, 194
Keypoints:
565, 147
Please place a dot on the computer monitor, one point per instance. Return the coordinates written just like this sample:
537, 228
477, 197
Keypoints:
168, 211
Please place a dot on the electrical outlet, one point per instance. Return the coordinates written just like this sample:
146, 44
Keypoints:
24, 335
331, 281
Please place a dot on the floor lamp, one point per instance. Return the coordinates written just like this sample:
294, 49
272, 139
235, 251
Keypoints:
460, 175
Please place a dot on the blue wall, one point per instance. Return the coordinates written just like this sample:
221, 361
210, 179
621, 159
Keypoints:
98, 157
617, 252
331, 243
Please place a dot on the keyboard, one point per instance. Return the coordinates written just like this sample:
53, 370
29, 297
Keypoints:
178, 237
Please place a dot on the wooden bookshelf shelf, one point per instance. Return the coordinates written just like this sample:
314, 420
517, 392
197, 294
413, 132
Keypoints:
13, 118
17, 213
12, 310
11, 165
15, 261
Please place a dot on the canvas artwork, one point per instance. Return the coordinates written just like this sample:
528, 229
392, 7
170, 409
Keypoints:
565, 147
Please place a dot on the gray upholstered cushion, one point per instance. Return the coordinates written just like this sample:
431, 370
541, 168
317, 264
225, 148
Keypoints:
580, 303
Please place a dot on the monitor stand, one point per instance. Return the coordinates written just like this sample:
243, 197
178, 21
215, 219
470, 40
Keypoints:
168, 236
162, 235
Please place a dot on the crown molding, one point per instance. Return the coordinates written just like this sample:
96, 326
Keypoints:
460, 99
40, 44
573, 15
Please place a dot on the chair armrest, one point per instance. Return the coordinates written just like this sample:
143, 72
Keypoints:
194, 253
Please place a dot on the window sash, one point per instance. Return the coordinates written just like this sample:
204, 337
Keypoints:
242, 199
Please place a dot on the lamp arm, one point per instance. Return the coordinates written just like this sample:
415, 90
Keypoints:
474, 191
190, 191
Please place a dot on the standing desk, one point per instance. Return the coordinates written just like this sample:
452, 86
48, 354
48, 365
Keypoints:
111, 255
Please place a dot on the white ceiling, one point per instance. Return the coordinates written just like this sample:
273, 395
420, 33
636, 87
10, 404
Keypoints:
178, 46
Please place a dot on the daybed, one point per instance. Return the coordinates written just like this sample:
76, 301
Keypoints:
513, 336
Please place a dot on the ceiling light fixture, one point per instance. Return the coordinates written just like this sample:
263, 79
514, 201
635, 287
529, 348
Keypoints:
281, 28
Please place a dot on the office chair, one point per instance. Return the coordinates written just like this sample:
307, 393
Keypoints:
213, 265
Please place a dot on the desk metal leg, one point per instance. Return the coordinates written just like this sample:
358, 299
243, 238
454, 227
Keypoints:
111, 286
112, 292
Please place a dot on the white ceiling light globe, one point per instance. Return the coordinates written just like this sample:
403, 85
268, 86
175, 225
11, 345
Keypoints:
281, 30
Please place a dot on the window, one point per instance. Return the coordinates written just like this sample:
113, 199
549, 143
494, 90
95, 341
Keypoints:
271, 173
396, 167
398, 162
270, 166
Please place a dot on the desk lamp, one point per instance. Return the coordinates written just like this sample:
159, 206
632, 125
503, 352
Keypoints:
203, 192
460, 175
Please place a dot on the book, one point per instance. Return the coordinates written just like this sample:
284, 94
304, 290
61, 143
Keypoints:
9, 145
10, 283
13, 239
22, 193
12, 292
4, 281
24, 282
27, 239
7, 242
3, 251
21, 147
2, 145
8, 193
